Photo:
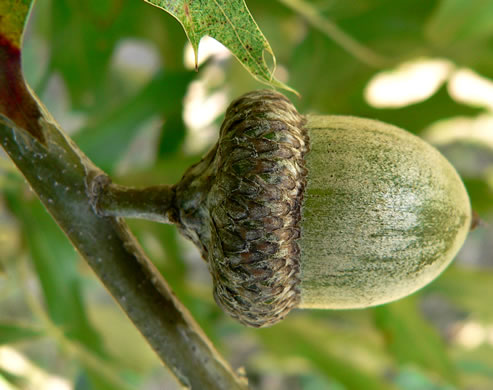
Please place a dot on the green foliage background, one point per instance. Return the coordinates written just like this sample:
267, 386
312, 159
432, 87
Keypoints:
128, 117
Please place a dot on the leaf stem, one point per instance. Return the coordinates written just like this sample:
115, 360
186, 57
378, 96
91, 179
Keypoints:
334, 32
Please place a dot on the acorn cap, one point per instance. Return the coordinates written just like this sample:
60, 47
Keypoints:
255, 208
318, 212
241, 206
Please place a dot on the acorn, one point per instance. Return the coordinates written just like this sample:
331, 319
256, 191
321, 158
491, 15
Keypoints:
326, 212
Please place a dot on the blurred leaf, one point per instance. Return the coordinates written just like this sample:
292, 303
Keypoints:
12, 333
55, 261
83, 37
316, 383
107, 137
333, 81
411, 379
302, 339
416, 117
478, 363
462, 30
315, 18
231, 24
94, 381
412, 340
172, 134
457, 20
15, 380
468, 288
82, 382
165, 171
482, 368
123, 342
481, 194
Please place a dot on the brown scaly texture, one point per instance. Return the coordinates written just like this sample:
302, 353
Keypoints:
241, 206
255, 208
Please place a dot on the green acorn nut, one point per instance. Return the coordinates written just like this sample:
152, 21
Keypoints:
331, 212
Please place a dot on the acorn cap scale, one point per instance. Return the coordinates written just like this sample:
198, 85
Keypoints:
318, 212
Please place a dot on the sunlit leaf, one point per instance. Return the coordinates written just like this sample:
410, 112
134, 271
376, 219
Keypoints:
229, 22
